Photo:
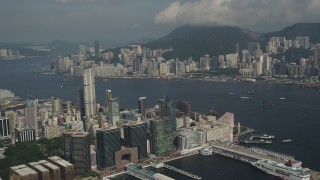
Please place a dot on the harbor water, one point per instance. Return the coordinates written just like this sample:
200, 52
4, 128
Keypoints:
296, 117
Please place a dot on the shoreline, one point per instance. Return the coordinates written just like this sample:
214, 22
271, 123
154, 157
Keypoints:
219, 79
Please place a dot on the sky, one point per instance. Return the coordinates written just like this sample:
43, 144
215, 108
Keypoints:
115, 22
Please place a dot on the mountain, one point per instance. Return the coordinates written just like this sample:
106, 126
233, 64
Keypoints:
196, 41
300, 29
24, 49
61, 47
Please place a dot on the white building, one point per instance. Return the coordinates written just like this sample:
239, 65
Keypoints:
89, 92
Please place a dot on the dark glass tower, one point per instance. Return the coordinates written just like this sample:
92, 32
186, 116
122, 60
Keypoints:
161, 136
135, 136
108, 142
142, 105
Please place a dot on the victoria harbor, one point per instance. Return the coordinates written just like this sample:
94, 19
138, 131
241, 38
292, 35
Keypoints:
293, 115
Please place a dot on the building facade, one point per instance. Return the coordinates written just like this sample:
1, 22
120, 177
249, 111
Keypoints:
135, 136
108, 142
161, 139
89, 92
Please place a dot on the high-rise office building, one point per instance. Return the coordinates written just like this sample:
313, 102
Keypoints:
80, 99
56, 105
167, 110
108, 142
162, 108
4, 127
96, 47
67, 146
31, 114
142, 105
113, 111
161, 136
108, 96
89, 92
82, 49
80, 153
135, 136
12, 116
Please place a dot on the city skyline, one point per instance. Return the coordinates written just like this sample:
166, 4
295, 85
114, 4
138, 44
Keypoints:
119, 22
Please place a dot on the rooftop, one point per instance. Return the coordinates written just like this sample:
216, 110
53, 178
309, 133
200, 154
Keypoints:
40, 168
23, 170
60, 161
80, 134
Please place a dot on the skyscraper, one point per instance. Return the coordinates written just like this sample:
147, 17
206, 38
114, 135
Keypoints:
80, 152
89, 92
108, 142
142, 105
12, 116
108, 96
56, 105
67, 145
135, 136
167, 110
113, 111
96, 47
31, 114
80, 99
161, 136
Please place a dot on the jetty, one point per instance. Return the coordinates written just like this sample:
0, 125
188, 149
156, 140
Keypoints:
253, 154
181, 171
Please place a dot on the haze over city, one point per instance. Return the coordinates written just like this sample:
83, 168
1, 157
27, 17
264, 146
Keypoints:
117, 22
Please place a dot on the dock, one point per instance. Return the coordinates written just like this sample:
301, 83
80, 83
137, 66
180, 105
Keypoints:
253, 154
181, 171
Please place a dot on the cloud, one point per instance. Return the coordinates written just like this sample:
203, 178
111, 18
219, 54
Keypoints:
241, 13
112, 2
73, 1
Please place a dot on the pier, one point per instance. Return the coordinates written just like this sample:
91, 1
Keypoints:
253, 154
181, 171
249, 154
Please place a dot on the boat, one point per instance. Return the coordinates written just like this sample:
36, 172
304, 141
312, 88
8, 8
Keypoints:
282, 171
251, 92
206, 151
282, 98
256, 141
286, 140
231, 93
265, 136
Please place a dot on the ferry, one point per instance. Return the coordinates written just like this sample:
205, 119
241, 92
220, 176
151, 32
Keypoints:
206, 151
263, 136
282, 171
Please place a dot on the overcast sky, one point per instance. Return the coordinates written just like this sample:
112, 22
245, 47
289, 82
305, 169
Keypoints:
119, 21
